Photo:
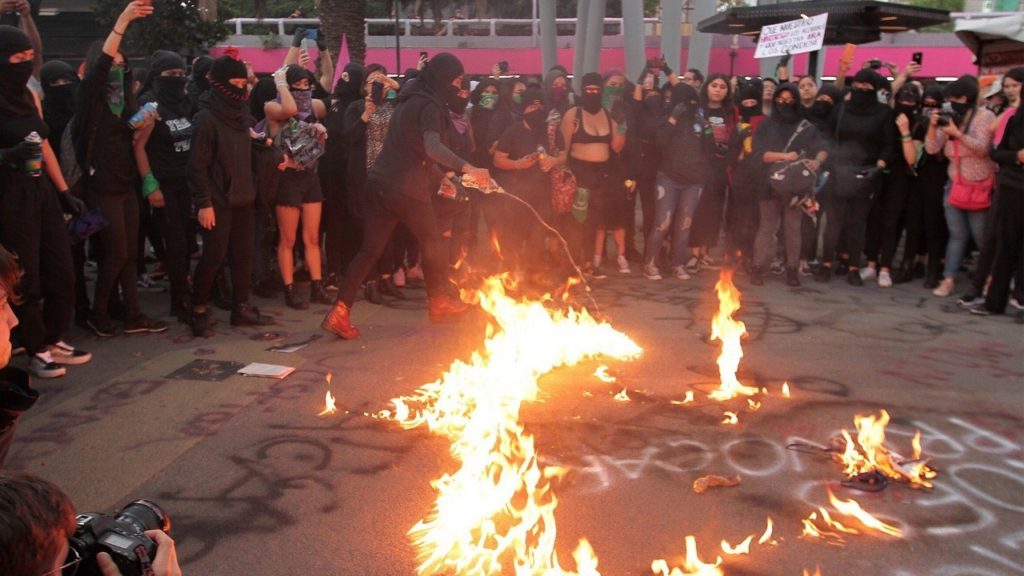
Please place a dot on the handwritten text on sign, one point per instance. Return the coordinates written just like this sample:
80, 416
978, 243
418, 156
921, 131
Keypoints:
793, 37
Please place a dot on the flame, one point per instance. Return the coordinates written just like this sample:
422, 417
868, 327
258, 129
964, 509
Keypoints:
785, 389
586, 560
753, 404
869, 453
603, 375
622, 396
692, 565
729, 331
852, 508
730, 418
741, 548
686, 399
767, 532
817, 572
329, 406
495, 512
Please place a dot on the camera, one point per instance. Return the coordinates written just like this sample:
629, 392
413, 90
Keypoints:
947, 115
875, 63
122, 536
503, 66
377, 93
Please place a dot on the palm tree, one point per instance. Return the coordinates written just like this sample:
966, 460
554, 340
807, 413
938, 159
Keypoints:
344, 17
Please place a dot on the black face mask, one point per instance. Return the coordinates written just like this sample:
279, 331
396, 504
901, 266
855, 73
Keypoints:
653, 103
821, 109
863, 98
59, 98
748, 112
170, 88
591, 103
787, 112
536, 119
454, 102
910, 110
961, 108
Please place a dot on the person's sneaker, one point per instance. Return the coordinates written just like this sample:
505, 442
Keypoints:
623, 265
980, 311
140, 324
42, 366
945, 288
66, 354
414, 273
806, 270
969, 299
102, 326
399, 277
1016, 303
596, 273
680, 273
823, 274
146, 283
868, 273
708, 262
792, 278
884, 279
159, 271
693, 265
853, 278
777, 268
651, 272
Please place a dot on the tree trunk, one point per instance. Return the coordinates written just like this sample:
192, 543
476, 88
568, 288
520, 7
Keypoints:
344, 17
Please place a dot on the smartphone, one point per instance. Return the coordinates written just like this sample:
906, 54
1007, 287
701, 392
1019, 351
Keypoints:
377, 92
917, 57
423, 56
503, 66
649, 82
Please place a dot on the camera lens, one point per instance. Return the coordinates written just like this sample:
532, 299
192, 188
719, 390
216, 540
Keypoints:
146, 515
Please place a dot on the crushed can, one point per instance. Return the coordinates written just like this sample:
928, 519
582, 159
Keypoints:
34, 165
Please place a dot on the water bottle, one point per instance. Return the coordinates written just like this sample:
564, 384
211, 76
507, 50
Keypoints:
139, 118
34, 165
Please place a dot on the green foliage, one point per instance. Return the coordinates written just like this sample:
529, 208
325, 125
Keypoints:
950, 5
511, 8
271, 8
173, 26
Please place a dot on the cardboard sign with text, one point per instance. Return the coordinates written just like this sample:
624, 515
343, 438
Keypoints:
793, 37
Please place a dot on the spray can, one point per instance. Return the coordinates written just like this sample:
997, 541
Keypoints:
34, 165
139, 118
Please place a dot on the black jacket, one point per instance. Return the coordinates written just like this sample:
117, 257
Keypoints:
102, 137
221, 163
686, 150
1011, 172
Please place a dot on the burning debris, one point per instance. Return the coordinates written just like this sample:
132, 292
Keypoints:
701, 485
868, 463
329, 405
833, 530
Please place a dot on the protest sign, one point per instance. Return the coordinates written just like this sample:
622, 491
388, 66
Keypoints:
793, 37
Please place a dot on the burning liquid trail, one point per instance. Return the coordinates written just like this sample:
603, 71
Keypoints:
496, 511
729, 331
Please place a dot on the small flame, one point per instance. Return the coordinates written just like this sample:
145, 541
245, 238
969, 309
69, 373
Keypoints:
686, 399
852, 508
767, 532
869, 453
692, 565
916, 445
817, 572
741, 548
586, 560
785, 389
754, 404
603, 375
729, 331
622, 396
330, 407
730, 418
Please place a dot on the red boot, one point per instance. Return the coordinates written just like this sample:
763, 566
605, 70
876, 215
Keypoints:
337, 321
445, 308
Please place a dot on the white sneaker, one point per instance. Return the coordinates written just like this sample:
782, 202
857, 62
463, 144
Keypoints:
651, 272
64, 353
868, 273
693, 265
884, 279
398, 278
1016, 304
623, 265
945, 288
42, 366
680, 273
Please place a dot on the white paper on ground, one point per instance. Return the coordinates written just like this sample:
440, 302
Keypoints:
266, 370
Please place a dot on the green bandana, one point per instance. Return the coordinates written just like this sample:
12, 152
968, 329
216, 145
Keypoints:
610, 95
115, 90
517, 98
489, 100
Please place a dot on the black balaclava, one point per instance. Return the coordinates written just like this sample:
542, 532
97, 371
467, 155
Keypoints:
907, 93
865, 99
685, 101
349, 86
58, 101
750, 90
537, 119
591, 103
821, 109
556, 98
438, 75
934, 93
788, 113
227, 101
199, 82
264, 91
15, 97
169, 90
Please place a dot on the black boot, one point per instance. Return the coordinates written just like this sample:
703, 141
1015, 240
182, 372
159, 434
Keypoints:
823, 274
371, 291
792, 277
853, 278
292, 299
317, 294
222, 292
387, 286
200, 324
248, 315
181, 308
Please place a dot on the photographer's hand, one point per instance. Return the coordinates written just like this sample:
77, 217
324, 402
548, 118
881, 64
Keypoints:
165, 562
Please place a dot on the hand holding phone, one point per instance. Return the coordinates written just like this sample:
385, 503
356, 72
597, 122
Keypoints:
377, 92
917, 57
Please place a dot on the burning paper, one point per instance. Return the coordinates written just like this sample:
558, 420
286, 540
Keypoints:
869, 454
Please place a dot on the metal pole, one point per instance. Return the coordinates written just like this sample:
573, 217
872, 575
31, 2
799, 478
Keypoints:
595, 36
580, 44
398, 39
548, 34
699, 54
633, 32
533, 24
812, 64
671, 40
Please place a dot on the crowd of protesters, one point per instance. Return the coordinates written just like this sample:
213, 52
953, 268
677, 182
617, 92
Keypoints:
368, 181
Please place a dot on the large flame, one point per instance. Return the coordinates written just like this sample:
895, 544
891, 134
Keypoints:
692, 565
869, 453
729, 331
496, 512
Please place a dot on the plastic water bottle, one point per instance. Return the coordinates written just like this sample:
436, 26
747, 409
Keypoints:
34, 165
139, 118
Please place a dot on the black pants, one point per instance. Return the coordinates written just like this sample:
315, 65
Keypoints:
173, 222
149, 229
119, 241
930, 188
387, 209
231, 236
1008, 255
987, 250
646, 191
707, 221
847, 216
32, 226
333, 227
892, 210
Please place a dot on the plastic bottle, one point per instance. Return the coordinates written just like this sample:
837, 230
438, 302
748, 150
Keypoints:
34, 165
139, 118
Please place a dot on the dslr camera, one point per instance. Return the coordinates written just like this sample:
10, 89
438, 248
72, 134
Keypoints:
947, 115
122, 536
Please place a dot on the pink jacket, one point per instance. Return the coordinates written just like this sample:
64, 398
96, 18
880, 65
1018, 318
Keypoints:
975, 147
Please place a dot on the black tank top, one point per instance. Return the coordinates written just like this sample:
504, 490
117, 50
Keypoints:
581, 136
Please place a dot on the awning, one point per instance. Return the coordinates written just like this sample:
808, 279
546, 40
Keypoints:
999, 31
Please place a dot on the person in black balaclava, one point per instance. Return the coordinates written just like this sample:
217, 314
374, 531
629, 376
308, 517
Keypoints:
928, 186
784, 137
829, 96
162, 152
864, 143
105, 142
641, 152
198, 84
220, 170
484, 99
32, 215
59, 83
747, 174
409, 171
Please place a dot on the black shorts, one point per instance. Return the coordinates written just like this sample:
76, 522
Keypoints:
298, 187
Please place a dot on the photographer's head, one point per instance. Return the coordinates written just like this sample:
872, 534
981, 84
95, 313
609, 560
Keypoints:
36, 520
10, 273
962, 94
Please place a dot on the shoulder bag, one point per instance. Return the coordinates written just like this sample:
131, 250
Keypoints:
965, 194
854, 181
790, 178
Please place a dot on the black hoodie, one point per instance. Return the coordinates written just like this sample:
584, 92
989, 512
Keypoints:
103, 138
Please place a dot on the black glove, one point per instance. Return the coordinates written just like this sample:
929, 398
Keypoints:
320, 44
21, 152
70, 204
298, 37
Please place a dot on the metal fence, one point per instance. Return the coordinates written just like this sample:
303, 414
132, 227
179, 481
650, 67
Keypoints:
485, 27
